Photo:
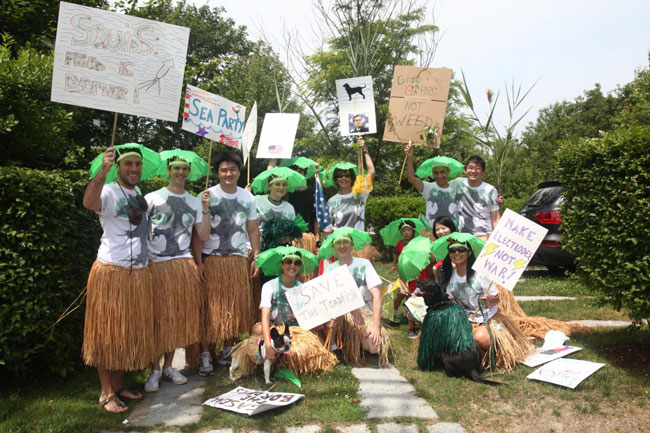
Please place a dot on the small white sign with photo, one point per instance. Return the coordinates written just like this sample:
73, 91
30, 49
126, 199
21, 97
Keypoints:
356, 106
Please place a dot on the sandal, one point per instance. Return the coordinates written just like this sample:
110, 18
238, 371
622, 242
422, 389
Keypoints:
119, 403
121, 393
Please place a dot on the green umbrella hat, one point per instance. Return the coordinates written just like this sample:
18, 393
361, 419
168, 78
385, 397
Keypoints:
150, 162
328, 179
392, 234
359, 240
294, 179
198, 166
424, 171
414, 258
270, 261
301, 162
441, 244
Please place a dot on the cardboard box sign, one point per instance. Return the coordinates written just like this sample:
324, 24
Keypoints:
430, 84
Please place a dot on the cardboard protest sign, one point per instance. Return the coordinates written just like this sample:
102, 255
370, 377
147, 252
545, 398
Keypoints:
250, 131
213, 117
277, 136
509, 249
249, 402
326, 297
418, 100
115, 62
565, 372
542, 356
356, 106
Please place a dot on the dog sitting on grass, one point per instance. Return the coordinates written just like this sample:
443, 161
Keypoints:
447, 336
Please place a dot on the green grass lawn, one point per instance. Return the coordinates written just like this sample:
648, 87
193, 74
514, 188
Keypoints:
613, 396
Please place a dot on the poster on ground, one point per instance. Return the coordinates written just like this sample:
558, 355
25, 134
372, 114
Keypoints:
250, 402
418, 102
542, 356
565, 372
116, 62
509, 249
326, 297
356, 106
277, 136
213, 117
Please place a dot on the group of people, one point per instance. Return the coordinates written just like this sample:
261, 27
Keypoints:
174, 270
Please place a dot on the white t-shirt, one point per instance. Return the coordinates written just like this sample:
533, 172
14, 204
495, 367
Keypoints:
475, 206
267, 211
364, 275
266, 300
172, 217
228, 216
440, 201
468, 294
348, 210
122, 243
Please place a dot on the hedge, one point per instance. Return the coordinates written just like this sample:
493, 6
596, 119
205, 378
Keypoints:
606, 216
48, 242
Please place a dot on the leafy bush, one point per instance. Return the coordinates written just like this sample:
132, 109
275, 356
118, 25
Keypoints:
380, 211
606, 217
514, 203
48, 242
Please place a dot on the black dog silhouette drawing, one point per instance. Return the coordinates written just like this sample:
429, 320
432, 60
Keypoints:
352, 90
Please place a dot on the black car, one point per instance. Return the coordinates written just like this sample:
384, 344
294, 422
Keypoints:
543, 207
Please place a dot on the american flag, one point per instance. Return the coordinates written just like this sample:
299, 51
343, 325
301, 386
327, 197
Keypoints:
320, 205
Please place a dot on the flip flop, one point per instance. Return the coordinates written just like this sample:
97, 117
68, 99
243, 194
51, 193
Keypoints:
138, 394
119, 403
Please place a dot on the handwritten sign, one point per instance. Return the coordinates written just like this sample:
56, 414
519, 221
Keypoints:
115, 62
326, 297
565, 372
509, 249
356, 106
277, 136
418, 99
213, 117
542, 356
250, 402
250, 131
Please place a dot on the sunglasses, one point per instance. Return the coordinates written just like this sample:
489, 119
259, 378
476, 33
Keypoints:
457, 250
135, 213
347, 175
296, 262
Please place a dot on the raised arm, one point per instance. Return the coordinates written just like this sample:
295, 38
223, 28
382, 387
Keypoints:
93, 194
366, 158
410, 172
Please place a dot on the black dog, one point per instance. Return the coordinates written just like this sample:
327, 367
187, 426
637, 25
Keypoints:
447, 336
352, 90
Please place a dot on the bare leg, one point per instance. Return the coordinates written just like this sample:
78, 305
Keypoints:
108, 390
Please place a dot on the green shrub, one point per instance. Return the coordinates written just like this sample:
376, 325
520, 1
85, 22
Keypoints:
48, 242
380, 211
514, 203
606, 217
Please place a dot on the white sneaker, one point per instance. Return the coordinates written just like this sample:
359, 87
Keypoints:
172, 375
153, 383
206, 364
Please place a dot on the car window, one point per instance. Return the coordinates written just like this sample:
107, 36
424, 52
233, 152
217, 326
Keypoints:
545, 196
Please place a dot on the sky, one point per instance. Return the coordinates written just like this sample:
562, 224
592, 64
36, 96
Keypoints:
565, 46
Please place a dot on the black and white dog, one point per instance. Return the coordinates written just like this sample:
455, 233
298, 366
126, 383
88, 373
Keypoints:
465, 362
251, 352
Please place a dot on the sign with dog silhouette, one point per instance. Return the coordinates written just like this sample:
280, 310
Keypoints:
356, 106
115, 62
326, 297
417, 105
277, 136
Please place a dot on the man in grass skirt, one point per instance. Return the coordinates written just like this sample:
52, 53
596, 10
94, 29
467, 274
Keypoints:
118, 329
223, 261
177, 301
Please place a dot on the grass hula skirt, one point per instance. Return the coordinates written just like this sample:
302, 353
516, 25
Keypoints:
177, 303
229, 298
307, 354
536, 327
307, 242
443, 331
352, 338
510, 344
369, 252
118, 328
